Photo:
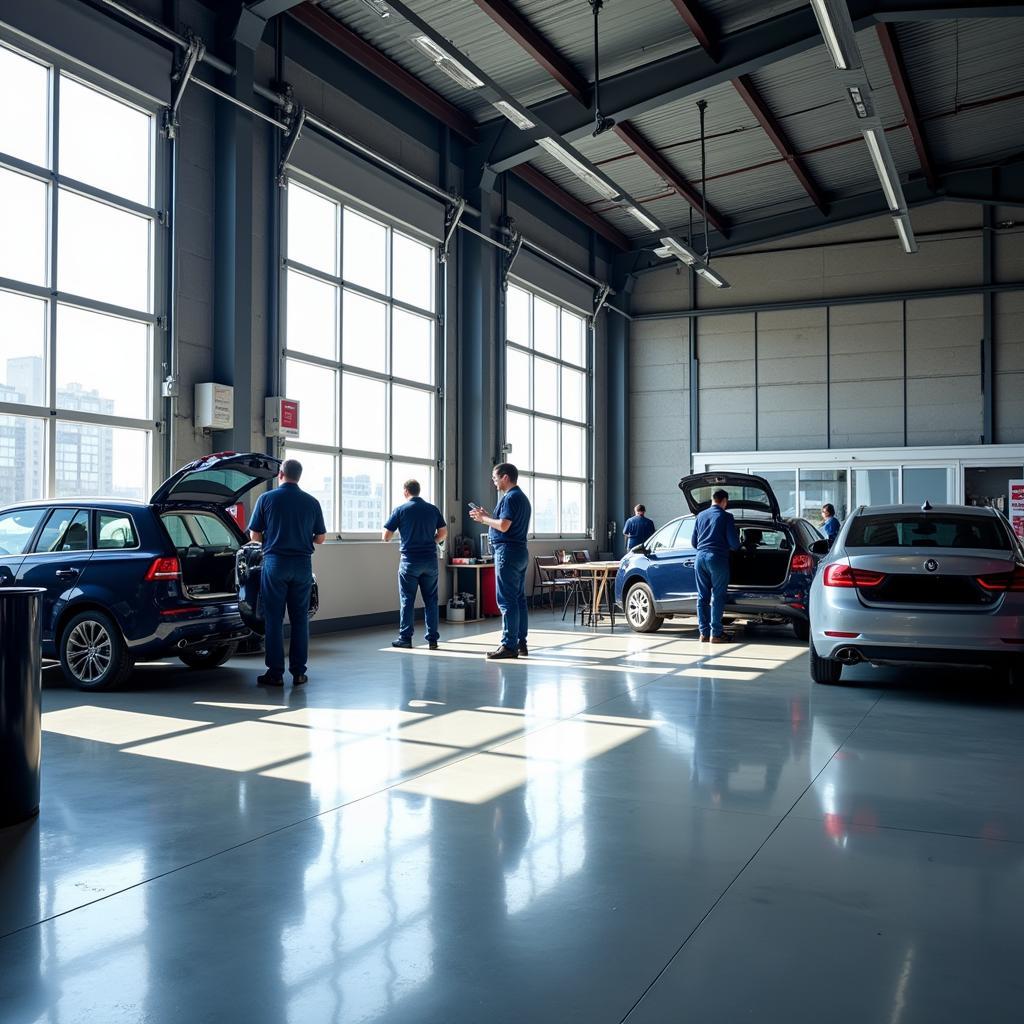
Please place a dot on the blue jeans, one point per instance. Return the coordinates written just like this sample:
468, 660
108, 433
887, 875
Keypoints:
510, 563
712, 586
286, 581
422, 577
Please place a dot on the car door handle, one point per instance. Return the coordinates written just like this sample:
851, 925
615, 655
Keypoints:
67, 574
690, 563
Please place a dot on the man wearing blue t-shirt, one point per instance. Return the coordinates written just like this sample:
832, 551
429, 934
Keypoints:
422, 527
830, 525
509, 527
638, 528
288, 522
714, 536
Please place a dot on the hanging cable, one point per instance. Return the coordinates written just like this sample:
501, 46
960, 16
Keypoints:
702, 106
601, 123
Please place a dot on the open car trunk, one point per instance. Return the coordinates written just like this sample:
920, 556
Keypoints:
763, 556
206, 548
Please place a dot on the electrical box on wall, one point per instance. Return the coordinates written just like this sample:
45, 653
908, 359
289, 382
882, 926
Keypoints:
281, 417
214, 407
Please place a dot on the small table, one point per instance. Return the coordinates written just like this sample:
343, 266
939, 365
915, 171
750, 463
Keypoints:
601, 574
469, 567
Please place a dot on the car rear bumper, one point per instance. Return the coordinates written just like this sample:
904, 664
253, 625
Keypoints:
198, 628
852, 652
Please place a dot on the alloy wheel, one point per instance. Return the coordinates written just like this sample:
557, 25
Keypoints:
638, 607
89, 651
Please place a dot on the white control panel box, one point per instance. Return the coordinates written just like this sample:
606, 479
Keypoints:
214, 407
281, 417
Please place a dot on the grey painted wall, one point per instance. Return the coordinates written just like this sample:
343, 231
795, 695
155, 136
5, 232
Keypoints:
829, 376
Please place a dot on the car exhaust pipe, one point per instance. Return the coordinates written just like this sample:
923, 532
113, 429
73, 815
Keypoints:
181, 645
847, 655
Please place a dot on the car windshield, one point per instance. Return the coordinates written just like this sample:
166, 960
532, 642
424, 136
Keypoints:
915, 530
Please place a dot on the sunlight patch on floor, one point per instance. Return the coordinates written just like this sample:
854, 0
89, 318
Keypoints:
109, 725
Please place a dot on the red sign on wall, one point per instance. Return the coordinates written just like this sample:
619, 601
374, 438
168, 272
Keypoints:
289, 415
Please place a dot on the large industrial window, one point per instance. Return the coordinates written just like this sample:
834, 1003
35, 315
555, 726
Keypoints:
360, 357
77, 210
546, 410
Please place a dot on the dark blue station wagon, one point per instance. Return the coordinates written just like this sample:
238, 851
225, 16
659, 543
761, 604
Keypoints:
128, 581
770, 574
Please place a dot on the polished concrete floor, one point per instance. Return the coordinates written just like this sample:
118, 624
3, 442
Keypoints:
620, 828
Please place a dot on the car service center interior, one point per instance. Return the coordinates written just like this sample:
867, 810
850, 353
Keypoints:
759, 757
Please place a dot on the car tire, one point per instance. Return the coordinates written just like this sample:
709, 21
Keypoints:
802, 629
640, 613
824, 670
208, 657
93, 653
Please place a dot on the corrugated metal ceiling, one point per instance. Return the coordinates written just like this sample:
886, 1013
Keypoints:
951, 66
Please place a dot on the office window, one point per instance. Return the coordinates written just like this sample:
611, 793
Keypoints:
360, 357
77, 313
546, 414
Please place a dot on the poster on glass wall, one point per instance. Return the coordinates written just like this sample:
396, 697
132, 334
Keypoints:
1017, 507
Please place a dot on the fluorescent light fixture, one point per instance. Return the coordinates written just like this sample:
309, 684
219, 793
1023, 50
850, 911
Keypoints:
638, 214
861, 103
580, 169
518, 119
663, 252
711, 277
906, 232
378, 7
833, 18
445, 62
682, 252
881, 157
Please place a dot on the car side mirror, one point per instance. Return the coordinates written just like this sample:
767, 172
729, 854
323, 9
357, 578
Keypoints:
819, 547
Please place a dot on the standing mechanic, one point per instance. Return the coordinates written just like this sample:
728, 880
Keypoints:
422, 528
509, 527
288, 522
714, 536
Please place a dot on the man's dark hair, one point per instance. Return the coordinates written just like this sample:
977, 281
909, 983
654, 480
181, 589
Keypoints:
719, 495
292, 470
829, 508
413, 487
641, 509
507, 469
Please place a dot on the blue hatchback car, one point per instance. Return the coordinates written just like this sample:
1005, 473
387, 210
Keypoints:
770, 575
127, 581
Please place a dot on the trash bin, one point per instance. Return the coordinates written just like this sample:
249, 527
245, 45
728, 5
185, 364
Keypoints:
21, 678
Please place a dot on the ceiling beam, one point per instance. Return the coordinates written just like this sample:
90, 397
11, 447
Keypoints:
946, 10
543, 184
698, 23
385, 68
267, 9
755, 101
898, 71
538, 47
657, 163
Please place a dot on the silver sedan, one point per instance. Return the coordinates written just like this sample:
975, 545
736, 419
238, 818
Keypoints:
929, 585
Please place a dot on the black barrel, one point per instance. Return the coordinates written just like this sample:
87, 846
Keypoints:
20, 703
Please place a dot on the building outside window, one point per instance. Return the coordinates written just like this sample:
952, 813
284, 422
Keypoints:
77, 305
546, 413
360, 357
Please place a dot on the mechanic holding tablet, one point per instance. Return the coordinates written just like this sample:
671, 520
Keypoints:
509, 526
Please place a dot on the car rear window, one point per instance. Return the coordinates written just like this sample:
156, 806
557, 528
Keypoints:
931, 531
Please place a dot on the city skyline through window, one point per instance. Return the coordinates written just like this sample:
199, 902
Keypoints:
76, 296
360, 357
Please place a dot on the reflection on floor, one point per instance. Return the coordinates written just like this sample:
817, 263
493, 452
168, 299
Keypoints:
617, 828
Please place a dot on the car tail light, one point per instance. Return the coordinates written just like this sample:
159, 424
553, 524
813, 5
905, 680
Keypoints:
840, 575
841, 635
1013, 581
164, 569
801, 563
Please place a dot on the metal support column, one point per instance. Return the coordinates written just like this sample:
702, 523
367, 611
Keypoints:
988, 375
233, 248
616, 418
480, 357
694, 376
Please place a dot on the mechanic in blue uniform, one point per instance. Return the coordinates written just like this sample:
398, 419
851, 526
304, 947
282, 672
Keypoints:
714, 536
422, 527
288, 522
638, 527
509, 526
830, 525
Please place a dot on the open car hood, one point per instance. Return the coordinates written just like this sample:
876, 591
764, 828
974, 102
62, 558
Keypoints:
747, 492
219, 479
